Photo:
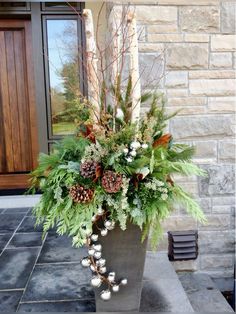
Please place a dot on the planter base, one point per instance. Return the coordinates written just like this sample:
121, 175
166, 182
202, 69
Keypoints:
125, 255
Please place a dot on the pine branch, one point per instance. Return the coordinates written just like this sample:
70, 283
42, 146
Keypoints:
186, 168
192, 207
181, 152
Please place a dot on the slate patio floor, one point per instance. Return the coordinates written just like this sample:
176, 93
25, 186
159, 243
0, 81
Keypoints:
46, 276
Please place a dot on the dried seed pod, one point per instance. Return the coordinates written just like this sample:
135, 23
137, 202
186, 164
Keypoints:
96, 281
97, 247
104, 232
97, 255
94, 237
105, 295
115, 288
85, 262
124, 282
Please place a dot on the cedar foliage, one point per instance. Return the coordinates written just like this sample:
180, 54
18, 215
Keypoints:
148, 192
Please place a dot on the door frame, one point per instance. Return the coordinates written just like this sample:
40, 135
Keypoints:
34, 12
9, 181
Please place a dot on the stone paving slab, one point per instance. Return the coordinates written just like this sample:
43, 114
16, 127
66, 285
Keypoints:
28, 225
203, 294
19, 210
16, 266
58, 249
9, 300
9, 222
4, 238
31, 239
49, 277
59, 282
63, 306
162, 290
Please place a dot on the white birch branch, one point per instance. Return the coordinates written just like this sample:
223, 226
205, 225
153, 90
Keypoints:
134, 68
114, 28
93, 85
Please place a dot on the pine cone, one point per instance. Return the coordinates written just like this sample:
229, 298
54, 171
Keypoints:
80, 194
88, 169
111, 181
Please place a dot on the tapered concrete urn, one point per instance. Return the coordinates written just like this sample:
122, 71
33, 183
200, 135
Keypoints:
125, 255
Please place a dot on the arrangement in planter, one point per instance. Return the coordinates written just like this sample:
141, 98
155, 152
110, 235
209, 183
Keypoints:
115, 173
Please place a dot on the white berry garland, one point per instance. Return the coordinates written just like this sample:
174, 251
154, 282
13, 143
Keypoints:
97, 263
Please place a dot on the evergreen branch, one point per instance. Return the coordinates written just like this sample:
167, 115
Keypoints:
191, 206
181, 152
186, 168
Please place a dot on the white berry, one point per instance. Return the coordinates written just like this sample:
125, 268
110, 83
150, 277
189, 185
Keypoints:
129, 159
104, 232
133, 153
135, 144
106, 295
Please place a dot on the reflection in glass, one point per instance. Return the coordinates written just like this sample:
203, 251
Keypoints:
63, 64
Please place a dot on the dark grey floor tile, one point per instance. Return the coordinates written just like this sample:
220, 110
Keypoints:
4, 238
30, 212
152, 299
68, 306
9, 222
9, 300
26, 240
164, 295
2, 210
58, 248
19, 210
28, 225
16, 266
59, 282
203, 294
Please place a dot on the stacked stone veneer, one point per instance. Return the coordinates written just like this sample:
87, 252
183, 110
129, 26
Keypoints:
197, 44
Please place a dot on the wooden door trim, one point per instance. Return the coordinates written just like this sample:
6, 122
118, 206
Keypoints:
12, 23
31, 93
14, 181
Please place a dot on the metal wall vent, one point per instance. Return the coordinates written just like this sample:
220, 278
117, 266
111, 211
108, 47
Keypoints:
182, 245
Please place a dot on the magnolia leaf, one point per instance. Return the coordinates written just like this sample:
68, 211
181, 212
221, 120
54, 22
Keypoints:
143, 171
98, 173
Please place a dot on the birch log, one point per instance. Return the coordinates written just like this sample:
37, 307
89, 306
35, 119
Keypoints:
134, 68
114, 28
91, 59
114, 56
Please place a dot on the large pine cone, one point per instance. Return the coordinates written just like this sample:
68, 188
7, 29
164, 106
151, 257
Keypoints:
88, 169
80, 194
111, 181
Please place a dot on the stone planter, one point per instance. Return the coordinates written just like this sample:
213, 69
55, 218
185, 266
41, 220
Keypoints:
125, 255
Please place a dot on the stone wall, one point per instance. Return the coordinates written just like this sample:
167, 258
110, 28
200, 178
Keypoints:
189, 47
196, 40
